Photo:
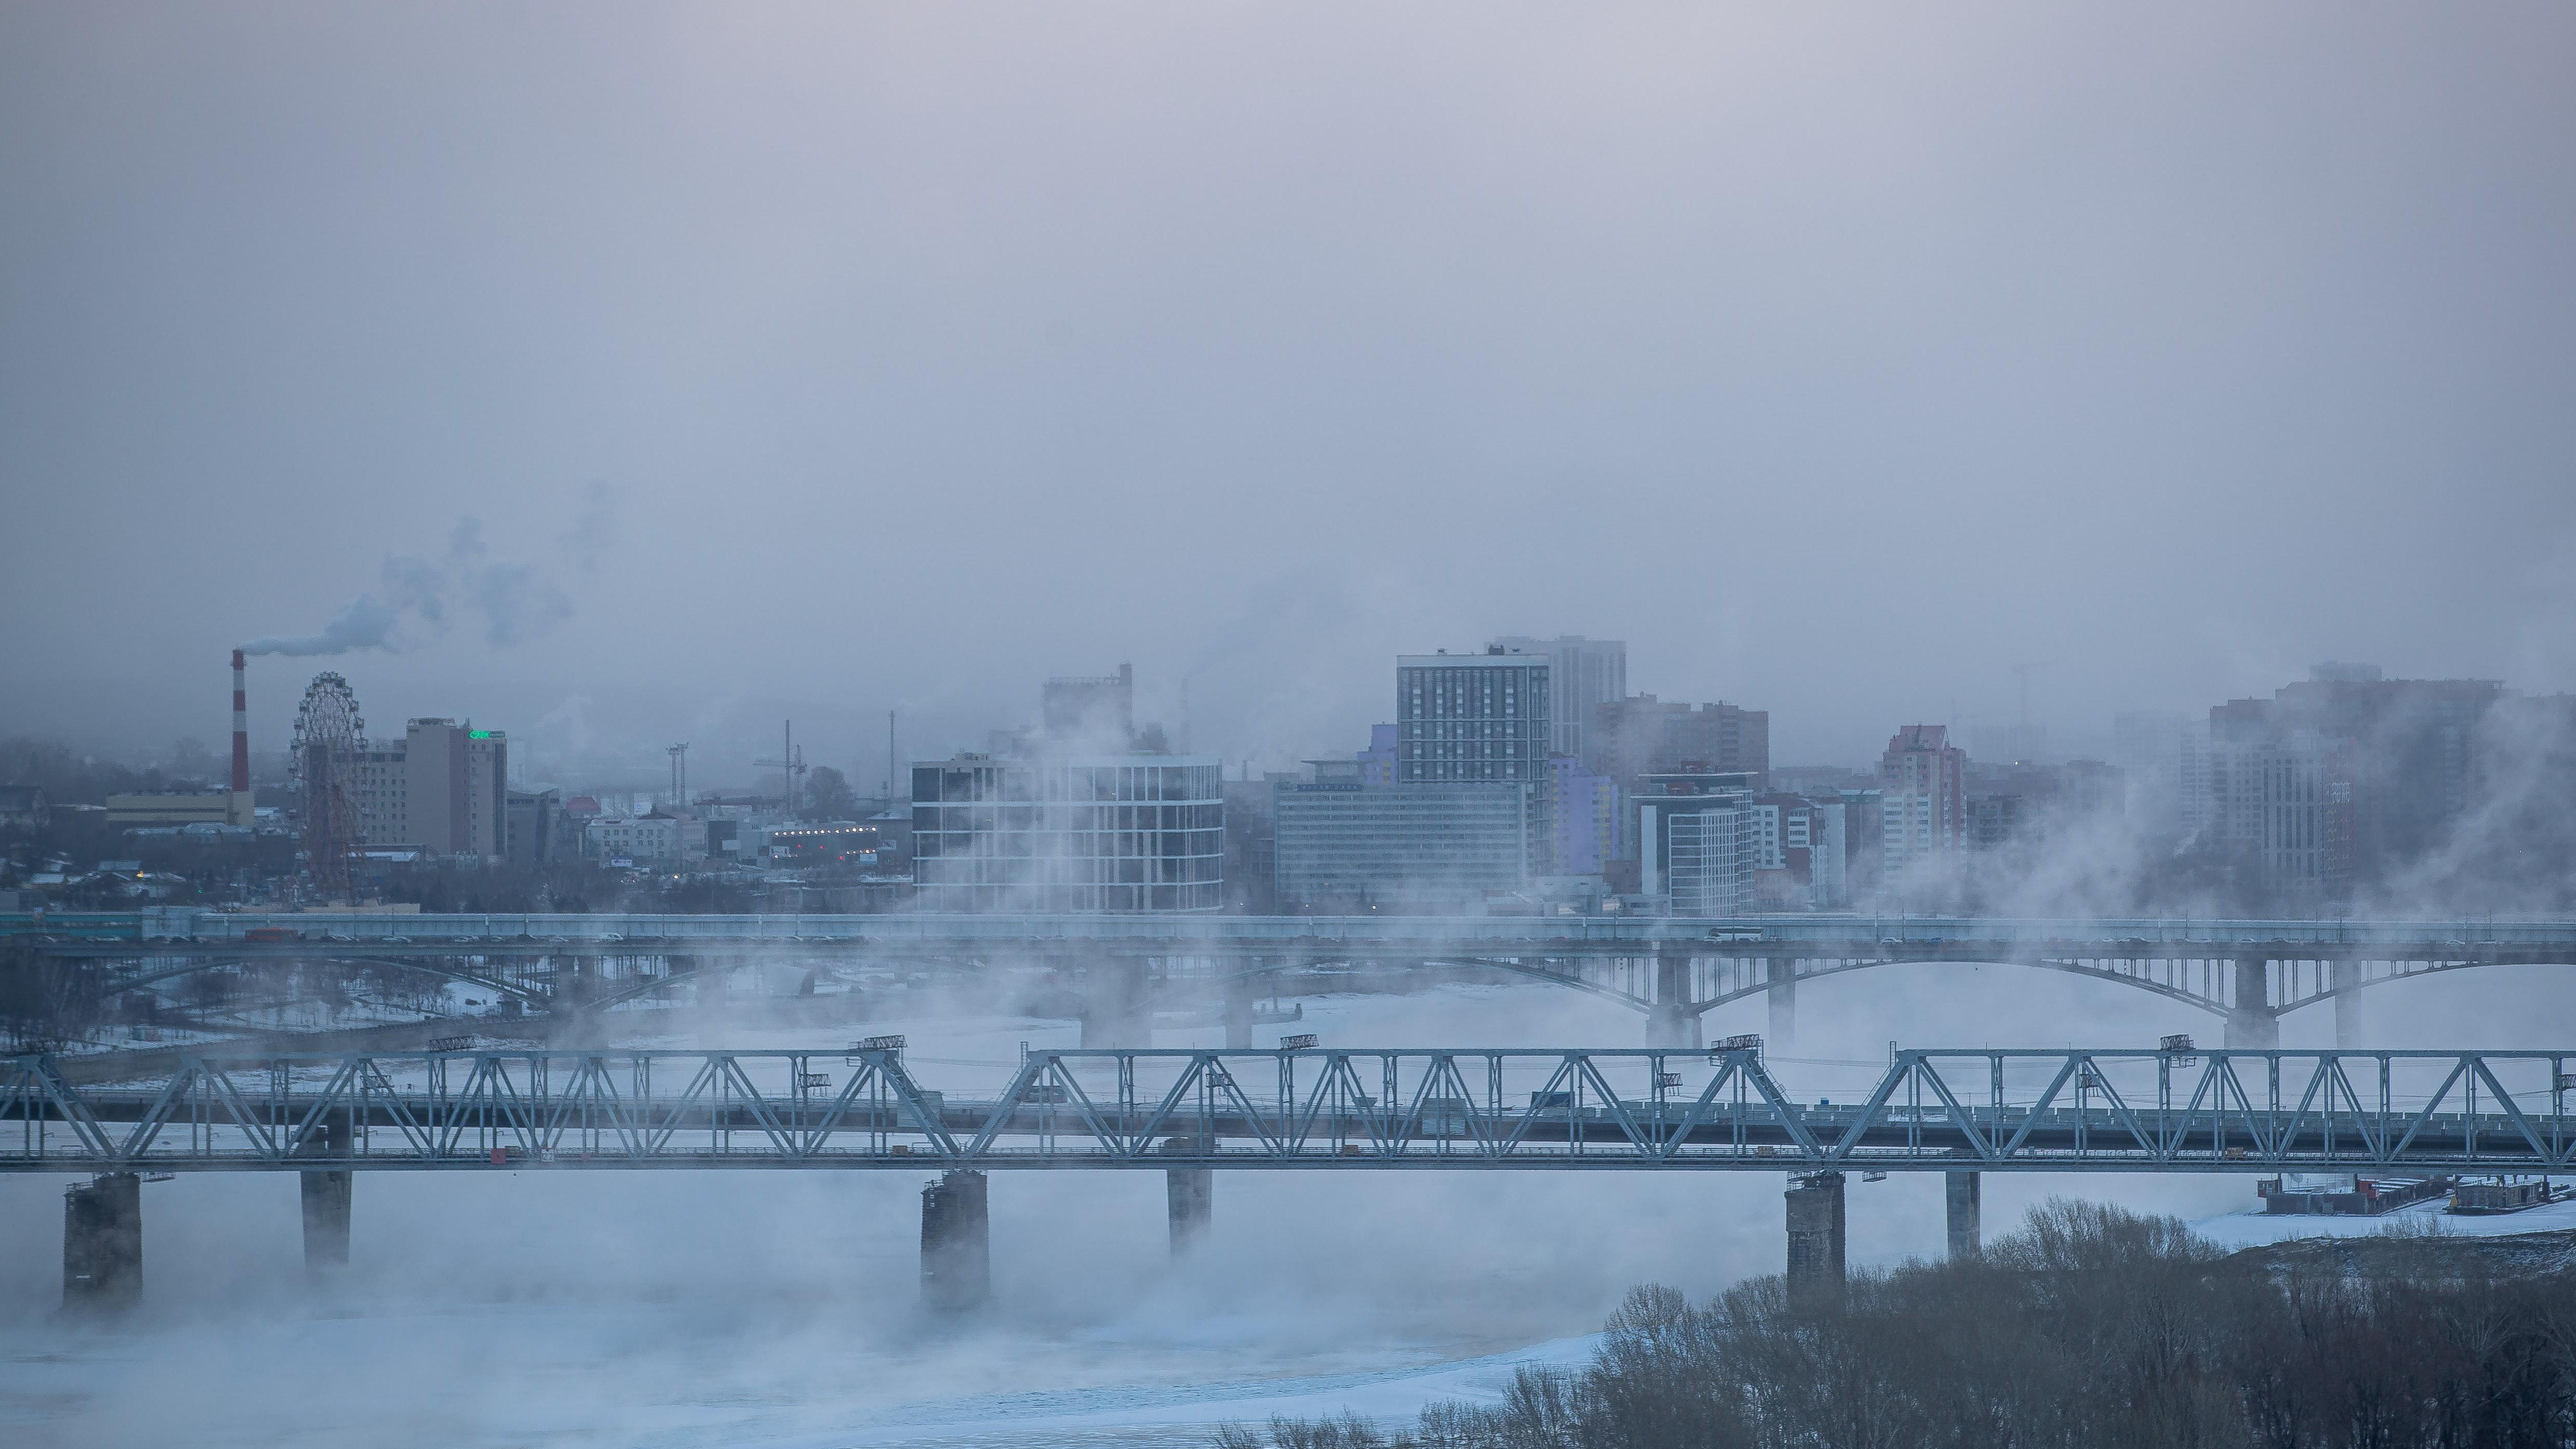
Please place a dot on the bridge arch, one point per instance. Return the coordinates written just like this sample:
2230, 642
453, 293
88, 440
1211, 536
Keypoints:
2070, 968
467, 977
2422, 969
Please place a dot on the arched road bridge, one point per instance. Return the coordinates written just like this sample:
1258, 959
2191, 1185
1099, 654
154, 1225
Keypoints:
2249, 973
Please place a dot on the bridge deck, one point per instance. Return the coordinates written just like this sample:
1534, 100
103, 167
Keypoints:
1180, 934
1338, 1110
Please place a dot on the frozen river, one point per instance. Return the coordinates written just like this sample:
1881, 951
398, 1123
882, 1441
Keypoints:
683, 1310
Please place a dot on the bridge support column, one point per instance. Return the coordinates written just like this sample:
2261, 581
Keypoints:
1963, 1193
1669, 1021
1191, 1192
1815, 1277
1115, 1009
327, 1197
2347, 975
1783, 999
1672, 1025
956, 1243
2251, 1024
103, 1243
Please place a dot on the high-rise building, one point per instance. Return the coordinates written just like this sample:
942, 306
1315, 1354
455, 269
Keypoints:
2345, 777
1697, 843
1643, 735
1472, 718
443, 788
1427, 847
1581, 810
1582, 675
1251, 843
1050, 833
1923, 778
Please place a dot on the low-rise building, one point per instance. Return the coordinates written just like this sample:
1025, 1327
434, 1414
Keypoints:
195, 807
537, 830
637, 840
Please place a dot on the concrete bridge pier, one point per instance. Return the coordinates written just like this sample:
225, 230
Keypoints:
1815, 1277
1964, 1197
1669, 1021
103, 1243
1191, 1195
956, 1243
1783, 1000
2347, 976
327, 1197
1672, 1024
2252, 1025
1116, 1011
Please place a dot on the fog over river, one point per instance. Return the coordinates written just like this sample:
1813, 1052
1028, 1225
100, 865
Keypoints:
779, 1309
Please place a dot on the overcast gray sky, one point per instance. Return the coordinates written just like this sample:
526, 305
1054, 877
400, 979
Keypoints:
1837, 357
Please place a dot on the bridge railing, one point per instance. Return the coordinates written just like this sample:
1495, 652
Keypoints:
1932, 1110
1289, 932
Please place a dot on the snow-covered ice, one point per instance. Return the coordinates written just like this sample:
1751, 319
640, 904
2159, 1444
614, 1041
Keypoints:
692, 1310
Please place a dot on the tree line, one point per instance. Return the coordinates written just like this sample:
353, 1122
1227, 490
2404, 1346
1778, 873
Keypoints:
2090, 1328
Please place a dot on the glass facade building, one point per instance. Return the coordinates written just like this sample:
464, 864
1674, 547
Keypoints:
1698, 842
1342, 845
1472, 717
1097, 833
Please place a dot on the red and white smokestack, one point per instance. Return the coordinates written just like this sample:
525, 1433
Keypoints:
241, 727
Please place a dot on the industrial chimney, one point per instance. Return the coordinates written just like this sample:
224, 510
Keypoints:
241, 812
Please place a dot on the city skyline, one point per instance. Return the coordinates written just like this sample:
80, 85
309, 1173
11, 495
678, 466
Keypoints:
1967, 391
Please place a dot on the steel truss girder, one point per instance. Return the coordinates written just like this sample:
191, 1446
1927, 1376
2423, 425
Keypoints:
1407, 1108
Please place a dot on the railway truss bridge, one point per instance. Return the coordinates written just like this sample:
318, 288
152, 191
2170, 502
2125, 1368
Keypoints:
1192, 1113
1671, 971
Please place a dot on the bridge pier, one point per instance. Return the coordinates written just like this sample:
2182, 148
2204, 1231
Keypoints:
2252, 1025
1672, 1024
1783, 1001
103, 1243
1669, 1020
1815, 1276
327, 1197
1116, 1011
1963, 1195
2347, 1004
956, 1243
1191, 1196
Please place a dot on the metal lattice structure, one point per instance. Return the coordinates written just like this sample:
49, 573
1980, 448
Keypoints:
1336, 1110
329, 737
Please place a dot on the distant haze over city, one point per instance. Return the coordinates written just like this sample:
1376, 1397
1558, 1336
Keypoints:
658, 382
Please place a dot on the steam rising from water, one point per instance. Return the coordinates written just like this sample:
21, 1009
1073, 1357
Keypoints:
740, 1309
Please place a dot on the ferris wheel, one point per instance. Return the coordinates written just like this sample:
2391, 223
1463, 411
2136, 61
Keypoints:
329, 737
